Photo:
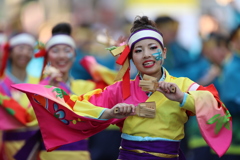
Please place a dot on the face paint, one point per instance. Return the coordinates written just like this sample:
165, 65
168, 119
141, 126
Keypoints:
70, 55
158, 55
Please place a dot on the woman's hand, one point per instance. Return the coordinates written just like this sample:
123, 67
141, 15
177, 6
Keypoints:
165, 88
55, 76
55, 79
121, 40
124, 110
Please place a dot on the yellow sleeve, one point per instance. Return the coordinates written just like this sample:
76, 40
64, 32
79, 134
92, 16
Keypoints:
188, 103
106, 74
87, 109
80, 87
83, 107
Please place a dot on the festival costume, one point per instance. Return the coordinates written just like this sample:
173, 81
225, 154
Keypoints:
76, 150
82, 115
140, 135
15, 139
16, 121
26, 121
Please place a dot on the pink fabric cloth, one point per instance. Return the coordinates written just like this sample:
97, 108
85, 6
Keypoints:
62, 130
115, 90
214, 120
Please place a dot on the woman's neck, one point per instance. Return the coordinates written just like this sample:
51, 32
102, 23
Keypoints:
19, 73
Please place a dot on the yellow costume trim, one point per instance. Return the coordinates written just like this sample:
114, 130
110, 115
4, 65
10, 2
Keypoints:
63, 155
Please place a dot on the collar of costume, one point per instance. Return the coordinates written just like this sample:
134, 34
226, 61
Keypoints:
60, 39
144, 34
163, 77
14, 79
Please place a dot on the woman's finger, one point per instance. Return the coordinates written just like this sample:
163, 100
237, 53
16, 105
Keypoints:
129, 109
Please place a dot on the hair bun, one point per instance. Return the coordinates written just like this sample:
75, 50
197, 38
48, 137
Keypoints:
62, 28
142, 22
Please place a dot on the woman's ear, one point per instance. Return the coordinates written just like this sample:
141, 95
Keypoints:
164, 52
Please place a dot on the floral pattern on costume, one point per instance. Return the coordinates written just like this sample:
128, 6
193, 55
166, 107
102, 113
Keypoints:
41, 100
60, 114
60, 93
221, 121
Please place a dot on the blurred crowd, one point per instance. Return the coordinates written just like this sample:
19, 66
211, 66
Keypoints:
215, 59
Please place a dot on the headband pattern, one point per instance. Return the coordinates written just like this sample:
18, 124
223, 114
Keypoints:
144, 34
23, 38
55, 40
60, 39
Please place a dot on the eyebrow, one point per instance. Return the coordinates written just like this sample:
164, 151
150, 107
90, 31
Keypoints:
138, 47
148, 45
152, 44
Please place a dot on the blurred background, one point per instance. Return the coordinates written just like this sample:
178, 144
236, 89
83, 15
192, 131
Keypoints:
196, 17
91, 18
202, 38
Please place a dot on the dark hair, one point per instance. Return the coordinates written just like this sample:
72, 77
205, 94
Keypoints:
163, 20
62, 28
214, 39
219, 39
143, 23
233, 33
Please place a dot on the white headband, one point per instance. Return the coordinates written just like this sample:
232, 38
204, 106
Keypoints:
60, 39
22, 38
144, 34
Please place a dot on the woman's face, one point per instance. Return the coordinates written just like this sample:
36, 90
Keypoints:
216, 53
61, 57
148, 56
21, 55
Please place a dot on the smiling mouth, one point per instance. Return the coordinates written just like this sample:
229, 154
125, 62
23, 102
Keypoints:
62, 63
23, 60
148, 64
